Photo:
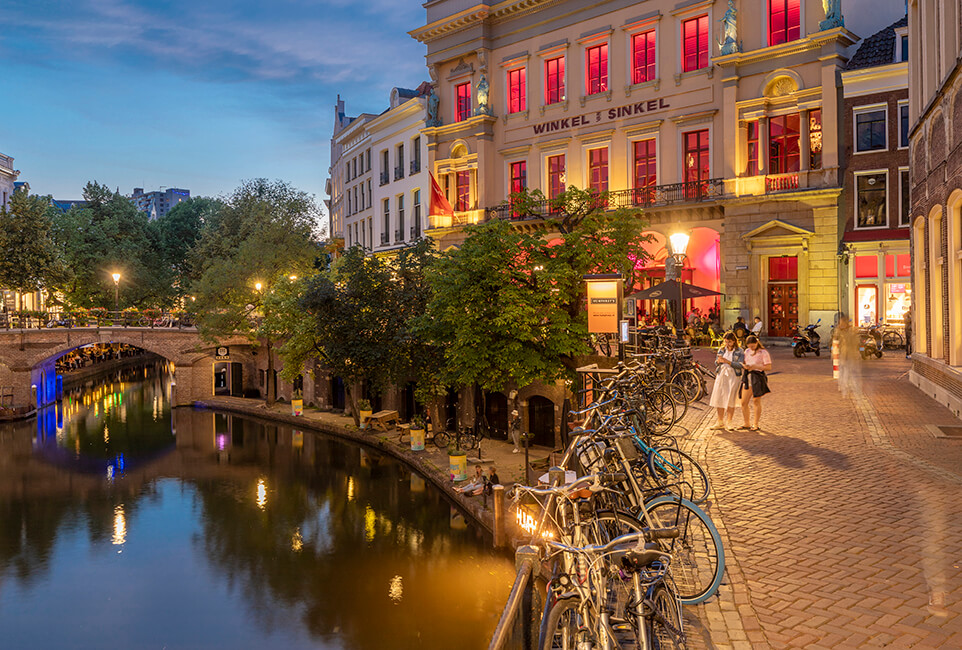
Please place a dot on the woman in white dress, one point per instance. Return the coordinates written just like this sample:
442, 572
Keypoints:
724, 393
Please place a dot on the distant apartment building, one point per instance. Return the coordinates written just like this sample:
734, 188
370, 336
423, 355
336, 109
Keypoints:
350, 163
158, 203
8, 176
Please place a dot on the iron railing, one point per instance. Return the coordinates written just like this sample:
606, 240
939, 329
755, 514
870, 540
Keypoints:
643, 197
415, 166
399, 172
385, 178
385, 238
96, 318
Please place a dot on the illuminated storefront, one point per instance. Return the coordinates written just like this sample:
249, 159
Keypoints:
883, 287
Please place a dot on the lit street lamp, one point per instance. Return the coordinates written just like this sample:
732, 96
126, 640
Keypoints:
677, 245
257, 286
116, 277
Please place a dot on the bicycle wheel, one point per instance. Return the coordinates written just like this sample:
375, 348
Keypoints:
468, 441
892, 340
678, 473
680, 398
659, 411
698, 558
665, 631
559, 628
690, 382
442, 439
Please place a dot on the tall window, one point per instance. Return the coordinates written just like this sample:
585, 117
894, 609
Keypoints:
645, 174
416, 215
905, 208
349, 210
695, 42
870, 201
784, 21
462, 189
815, 139
399, 171
519, 176
462, 110
387, 220
416, 155
554, 80
696, 156
783, 151
643, 57
556, 176
596, 67
904, 52
516, 90
598, 169
753, 168
399, 235
903, 125
870, 130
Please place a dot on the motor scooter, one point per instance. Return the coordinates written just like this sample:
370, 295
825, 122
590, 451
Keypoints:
870, 342
807, 340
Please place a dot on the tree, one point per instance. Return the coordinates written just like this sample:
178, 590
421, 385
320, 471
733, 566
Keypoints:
176, 233
31, 258
265, 232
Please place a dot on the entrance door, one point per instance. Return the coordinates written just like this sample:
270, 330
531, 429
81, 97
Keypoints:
541, 421
221, 385
236, 379
337, 393
496, 413
782, 308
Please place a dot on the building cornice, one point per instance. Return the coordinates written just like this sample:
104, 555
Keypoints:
841, 35
881, 78
477, 14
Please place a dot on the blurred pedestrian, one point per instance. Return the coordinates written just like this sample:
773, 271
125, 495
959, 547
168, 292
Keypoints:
848, 356
754, 380
908, 333
724, 392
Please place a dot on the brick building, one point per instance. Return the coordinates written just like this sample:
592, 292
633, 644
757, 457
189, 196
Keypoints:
935, 113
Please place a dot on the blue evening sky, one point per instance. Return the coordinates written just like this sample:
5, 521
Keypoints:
193, 93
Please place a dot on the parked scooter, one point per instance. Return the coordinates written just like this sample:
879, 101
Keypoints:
807, 340
870, 342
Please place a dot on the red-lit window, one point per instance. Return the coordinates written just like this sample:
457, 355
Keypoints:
596, 66
462, 109
783, 269
784, 19
866, 266
462, 189
556, 176
898, 266
519, 176
598, 169
694, 33
516, 90
783, 151
643, 57
815, 139
645, 175
753, 168
554, 80
696, 156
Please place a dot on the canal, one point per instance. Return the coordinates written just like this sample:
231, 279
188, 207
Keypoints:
124, 524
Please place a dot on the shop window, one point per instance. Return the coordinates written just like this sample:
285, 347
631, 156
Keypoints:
784, 21
516, 90
898, 300
815, 139
598, 169
556, 176
870, 130
753, 168
643, 57
554, 80
462, 109
870, 210
462, 187
783, 151
898, 266
695, 43
866, 266
866, 304
596, 68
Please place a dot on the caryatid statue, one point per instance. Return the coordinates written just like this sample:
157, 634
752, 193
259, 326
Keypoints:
729, 42
833, 15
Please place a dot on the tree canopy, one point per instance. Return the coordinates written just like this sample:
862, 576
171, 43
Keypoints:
31, 260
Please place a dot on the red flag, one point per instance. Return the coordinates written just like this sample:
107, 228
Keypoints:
439, 203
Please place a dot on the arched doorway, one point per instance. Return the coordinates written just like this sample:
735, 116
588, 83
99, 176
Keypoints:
337, 393
541, 421
496, 414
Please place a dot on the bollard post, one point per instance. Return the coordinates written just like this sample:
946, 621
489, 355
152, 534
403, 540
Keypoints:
497, 497
520, 601
834, 358
528, 557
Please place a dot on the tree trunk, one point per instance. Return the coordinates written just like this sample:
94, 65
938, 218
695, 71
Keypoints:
271, 382
352, 402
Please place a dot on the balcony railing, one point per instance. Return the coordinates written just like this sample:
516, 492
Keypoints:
415, 166
415, 232
644, 197
385, 178
385, 239
399, 173
398, 235
781, 182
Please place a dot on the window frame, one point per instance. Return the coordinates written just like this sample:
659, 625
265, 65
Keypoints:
605, 82
864, 110
522, 99
683, 149
904, 220
749, 141
903, 104
787, 29
855, 192
684, 55
563, 79
547, 171
648, 30
786, 156
457, 101
606, 146
457, 191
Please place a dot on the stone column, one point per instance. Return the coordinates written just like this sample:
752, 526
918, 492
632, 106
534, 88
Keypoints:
805, 141
763, 146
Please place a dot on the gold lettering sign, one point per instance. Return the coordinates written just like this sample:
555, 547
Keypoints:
603, 306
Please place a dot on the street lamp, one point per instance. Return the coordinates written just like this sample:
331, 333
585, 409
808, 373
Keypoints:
677, 245
116, 277
257, 286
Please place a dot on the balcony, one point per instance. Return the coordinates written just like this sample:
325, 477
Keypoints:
645, 197
385, 178
399, 173
385, 239
398, 236
415, 233
415, 166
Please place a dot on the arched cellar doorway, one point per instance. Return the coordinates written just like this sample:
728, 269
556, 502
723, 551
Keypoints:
496, 414
541, 421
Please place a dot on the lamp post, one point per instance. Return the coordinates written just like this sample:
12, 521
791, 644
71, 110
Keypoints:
116, 277
677, 245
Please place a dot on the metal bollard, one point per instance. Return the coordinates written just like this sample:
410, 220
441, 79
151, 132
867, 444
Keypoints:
497, 492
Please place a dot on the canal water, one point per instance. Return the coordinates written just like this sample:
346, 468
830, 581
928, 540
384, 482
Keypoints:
126, 524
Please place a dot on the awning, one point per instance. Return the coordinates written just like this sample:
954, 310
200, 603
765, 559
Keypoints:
673, 290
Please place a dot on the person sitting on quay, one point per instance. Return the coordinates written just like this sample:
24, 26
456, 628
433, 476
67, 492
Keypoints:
757, 327
476, 485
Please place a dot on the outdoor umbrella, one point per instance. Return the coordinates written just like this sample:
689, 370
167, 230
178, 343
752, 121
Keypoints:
673, 290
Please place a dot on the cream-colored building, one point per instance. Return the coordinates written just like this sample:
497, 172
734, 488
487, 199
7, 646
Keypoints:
8, 176
935, 112
707, 114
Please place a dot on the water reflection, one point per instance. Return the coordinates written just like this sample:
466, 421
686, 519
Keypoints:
233, 533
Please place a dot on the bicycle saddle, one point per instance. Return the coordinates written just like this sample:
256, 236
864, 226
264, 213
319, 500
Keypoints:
635, 560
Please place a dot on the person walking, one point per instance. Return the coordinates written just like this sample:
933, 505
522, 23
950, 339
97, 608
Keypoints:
724, 392
848, 356
908, 333
754, 380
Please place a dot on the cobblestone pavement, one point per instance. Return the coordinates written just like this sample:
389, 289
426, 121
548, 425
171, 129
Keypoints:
842, 517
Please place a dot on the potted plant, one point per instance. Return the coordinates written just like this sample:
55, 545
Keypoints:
417, 433
79, 316
297, 403
457, 463
364, 411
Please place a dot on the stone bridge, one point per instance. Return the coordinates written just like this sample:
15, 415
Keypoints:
28, 374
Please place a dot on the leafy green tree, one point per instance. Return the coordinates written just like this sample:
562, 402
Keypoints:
176, 233
31, 258
265, 232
